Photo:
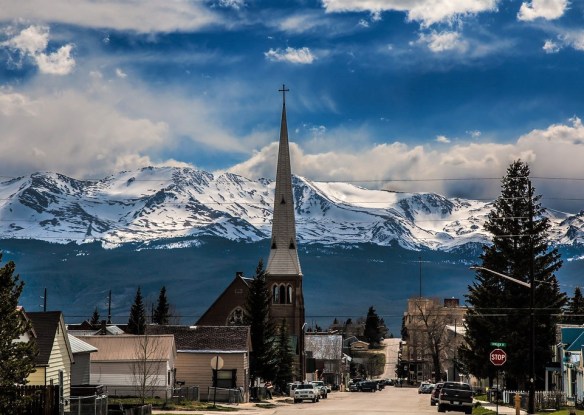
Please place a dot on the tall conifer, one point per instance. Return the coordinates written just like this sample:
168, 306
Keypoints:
284, 359
257, 316
137, 320
500, 309
161, 312
16, 358
575, 310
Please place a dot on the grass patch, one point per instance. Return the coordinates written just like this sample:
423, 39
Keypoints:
171, 405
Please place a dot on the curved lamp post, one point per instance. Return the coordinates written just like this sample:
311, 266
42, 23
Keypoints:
531, 286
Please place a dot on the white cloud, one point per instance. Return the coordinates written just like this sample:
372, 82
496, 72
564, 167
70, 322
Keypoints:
56, 63
427, 12
474, 134
544, 9
551, 47
33, 42
442, 139
443, 41
142, 16
555, 151
574, 39
233, 4
121, 74
297, 56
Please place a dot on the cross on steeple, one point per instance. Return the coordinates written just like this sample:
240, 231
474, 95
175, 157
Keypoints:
283, 91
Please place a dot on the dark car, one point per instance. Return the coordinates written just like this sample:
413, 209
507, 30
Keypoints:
435, 394
368, 386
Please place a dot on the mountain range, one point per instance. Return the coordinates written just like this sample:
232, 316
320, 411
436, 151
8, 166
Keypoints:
54, 226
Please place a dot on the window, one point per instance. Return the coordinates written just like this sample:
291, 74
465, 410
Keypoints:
289, 299
225, 378
282, 294
275, 294
235, 317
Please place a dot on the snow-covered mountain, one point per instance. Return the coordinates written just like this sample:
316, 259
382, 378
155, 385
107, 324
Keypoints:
155, 204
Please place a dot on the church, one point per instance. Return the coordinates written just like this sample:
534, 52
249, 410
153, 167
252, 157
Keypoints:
284, 275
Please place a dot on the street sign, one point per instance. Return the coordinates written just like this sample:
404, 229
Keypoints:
498, 344
498, 357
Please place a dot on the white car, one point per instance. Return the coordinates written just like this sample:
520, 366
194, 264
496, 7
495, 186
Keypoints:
306, 391
321, 388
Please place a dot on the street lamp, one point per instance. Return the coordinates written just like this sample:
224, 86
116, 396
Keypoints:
531, 286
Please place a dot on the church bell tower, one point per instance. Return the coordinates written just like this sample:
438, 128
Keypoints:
284, 273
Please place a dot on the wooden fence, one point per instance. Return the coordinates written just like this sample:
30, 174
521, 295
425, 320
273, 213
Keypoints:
40, 400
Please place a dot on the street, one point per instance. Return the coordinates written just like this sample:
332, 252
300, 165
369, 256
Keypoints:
390, 400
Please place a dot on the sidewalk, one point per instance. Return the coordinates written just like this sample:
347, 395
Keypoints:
504, 410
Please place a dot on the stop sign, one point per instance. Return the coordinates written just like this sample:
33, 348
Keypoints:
498, 357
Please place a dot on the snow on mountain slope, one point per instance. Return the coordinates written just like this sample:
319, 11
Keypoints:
163, 203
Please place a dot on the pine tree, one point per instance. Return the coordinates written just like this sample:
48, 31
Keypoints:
257, 316
284, 359
372, 331
16, 358
500, 309
575, 310
95, 317
161, 313
137, 320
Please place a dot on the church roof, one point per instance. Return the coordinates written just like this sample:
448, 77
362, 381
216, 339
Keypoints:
283, 259
205, 339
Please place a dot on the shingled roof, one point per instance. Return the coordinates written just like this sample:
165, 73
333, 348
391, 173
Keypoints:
46, 325
201, 339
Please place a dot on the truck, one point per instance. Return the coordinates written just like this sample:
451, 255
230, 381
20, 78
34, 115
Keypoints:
306, 391
455, 396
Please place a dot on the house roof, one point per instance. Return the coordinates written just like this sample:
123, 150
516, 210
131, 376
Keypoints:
125, 347
206, 338
325, 346
47, 324
79, 346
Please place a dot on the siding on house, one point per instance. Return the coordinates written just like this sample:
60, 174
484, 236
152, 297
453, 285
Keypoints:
37, 377
117, 362
197, 345
54, 350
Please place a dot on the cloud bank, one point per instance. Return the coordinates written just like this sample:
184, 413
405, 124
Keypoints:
427, 12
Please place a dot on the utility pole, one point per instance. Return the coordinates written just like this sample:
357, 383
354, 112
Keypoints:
420, 262
44, 305
109, 308
531, 401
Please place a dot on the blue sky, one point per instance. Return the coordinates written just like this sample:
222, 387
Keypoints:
398, 94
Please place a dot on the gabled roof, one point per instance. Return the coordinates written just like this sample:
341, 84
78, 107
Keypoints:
47, 324
79, 346
239, 280
126, 347
205, 339
325, 346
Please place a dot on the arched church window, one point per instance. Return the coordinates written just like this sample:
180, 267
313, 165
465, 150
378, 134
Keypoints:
274, 244
292, 244
283, 201
275, 294
282, 294
289, 296
235, 318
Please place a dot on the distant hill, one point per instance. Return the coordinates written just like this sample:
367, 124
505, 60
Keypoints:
191, 231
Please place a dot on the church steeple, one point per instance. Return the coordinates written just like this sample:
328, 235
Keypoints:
283, 258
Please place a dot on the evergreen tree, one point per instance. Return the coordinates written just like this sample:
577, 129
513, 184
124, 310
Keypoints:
257, 316
575, 310
372, 331
284, 358
500, 309
95, 317
137, 320
161, 313
16, 358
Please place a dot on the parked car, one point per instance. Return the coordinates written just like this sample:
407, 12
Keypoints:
306, 391
354, 387
435, 394
426, 387
290, 388
321, 388
455, 396
368, 386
